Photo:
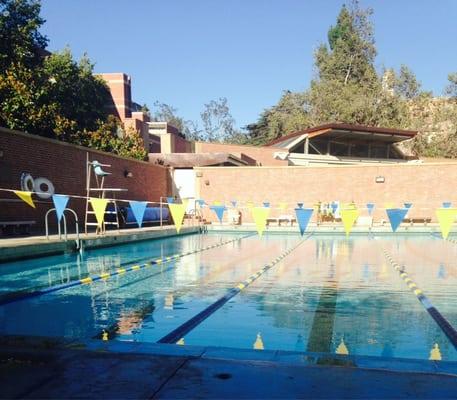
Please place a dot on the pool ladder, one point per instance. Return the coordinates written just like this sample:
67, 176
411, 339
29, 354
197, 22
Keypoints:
78, 241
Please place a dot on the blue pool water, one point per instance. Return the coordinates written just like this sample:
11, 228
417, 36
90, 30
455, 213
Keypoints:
327, 294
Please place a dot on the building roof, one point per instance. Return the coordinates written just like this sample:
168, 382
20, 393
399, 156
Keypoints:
392, 135
189, 160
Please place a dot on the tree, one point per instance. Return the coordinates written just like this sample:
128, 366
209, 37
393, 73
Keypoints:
20, 41
167, 113
350, 54
406, 84
218, 123
451, 88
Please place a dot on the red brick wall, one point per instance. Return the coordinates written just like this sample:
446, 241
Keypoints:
425, 185
263, 155
181, 145
64, 165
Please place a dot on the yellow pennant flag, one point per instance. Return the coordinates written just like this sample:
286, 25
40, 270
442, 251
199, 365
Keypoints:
260, 215
389, 205
177, 213
249, 204
217, 203
349, 216
26, 197
99, 207
446, 217
283, 206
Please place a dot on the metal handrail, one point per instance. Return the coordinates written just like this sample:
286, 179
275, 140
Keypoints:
64, 225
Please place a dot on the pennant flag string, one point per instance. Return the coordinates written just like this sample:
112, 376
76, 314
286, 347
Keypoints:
26, 197
349, 216
99, 207
446, 218
138, 208
60, 204
396, 216
219, 210
303, 216
260, 215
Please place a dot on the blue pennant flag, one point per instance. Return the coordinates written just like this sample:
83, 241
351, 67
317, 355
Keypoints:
334, 207
447, 204
170, 200
300, 205
200, 202
370, 207
266, 204
138, 208
60, 203
408, 205
396, 216
234, 203
303, 217
219, 210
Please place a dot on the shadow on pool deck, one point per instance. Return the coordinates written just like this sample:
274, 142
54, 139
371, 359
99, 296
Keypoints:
52, 368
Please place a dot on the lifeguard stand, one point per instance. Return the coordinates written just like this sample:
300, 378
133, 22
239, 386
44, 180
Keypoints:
100, 191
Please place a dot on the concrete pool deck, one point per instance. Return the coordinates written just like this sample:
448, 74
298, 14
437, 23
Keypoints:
53, 368
16, 248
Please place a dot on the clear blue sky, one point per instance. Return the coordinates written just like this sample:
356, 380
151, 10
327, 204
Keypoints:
186, 53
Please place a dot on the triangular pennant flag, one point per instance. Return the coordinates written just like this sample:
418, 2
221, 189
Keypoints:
170, 200
260, 215
447, 204
283, 206
408, 205
99, 207
138, 208
348, 217
177, 212
266, 204
303, 216
334, 207
370, 207
234, 203
60, 203
217, 203
389, 205
200, 202
396, 216
446, 217
219, 210
25, 197
249, 204
300, 205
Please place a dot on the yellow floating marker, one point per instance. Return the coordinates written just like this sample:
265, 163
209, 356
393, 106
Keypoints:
342, 348
181, 342
260, 215
258, 344
435, 353
349, 216
446, 217
177, 213
99, 207
26, 197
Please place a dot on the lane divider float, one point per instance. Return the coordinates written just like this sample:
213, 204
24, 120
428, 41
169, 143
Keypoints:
178, 334
442, 322
118, 271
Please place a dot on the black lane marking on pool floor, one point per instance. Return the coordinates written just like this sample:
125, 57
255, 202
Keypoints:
113, 330
442, 322
182, 330
119, 271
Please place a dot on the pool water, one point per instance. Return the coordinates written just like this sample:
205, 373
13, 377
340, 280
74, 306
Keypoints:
330, 294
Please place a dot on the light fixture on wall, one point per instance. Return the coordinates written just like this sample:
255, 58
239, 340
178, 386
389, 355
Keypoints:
207, 182
128, 174
380, 179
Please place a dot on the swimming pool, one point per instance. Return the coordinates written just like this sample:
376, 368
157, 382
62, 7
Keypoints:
329, 293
